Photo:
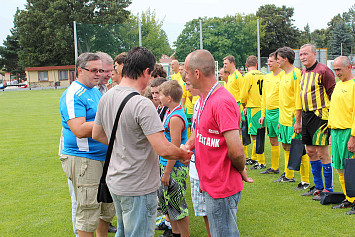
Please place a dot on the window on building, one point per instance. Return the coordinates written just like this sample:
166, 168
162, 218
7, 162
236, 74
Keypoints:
43, 75
62, 75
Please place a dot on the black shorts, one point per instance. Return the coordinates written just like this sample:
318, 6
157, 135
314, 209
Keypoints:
315, 130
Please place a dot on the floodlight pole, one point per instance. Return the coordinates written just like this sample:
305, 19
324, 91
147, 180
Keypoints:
258, 36
201, 43
75, 42
140, 32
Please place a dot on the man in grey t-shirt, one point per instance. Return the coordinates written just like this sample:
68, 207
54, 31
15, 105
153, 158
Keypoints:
133, 174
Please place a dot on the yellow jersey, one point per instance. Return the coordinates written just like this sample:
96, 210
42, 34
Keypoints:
234, 84
270, 96
289, 96
342, 106
252, 89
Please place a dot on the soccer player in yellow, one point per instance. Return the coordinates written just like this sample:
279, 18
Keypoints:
234, 85
250, 97
317, 85
223, 75
270, 111
342, 123
290, 113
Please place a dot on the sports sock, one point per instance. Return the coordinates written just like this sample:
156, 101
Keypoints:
245, 148
288, 173
328, 177
304, 169
261, 158
342, 183
253, 153
275, 156
317, 174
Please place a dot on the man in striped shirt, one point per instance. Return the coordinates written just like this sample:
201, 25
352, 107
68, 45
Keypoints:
317, 85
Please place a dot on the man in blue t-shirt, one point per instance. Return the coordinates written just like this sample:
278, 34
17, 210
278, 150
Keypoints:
82, 157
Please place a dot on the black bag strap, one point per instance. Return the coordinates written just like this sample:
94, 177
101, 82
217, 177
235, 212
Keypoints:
113, 136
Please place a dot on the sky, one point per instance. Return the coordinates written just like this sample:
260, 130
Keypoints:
317, 13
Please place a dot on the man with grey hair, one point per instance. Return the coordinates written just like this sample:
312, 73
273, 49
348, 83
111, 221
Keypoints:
342, 124
107, 65
317, 85
82, 157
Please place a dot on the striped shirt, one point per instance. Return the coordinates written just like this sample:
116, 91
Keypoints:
317, 85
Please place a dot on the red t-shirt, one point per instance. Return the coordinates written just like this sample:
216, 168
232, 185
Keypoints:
217, 175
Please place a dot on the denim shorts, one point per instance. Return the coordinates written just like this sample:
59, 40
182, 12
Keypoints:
136, 215
222, 215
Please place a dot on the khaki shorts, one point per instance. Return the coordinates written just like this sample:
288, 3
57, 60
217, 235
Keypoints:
85, 174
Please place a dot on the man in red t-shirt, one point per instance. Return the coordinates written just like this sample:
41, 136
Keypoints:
220, 159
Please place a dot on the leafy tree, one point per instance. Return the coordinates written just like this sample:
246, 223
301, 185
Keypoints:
341, 36
235, 35
279, 28
45, 27
318, 38
9, 54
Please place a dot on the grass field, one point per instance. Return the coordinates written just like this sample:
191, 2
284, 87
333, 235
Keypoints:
34, 197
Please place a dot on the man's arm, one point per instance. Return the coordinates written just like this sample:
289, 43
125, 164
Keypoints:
80, 128
328, 81
297, 127
98, 134
168, 150
235, 149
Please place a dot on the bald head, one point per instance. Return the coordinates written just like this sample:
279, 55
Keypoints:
203, 61
342, 68
345, 61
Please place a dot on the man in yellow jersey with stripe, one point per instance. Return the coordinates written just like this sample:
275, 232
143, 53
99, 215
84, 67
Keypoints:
234, 84
270, 111
250, 97
342, 123
187, 100
290, 114
317, 85
223, 75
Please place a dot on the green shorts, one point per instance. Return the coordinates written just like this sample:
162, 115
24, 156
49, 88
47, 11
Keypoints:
242, 117
340, 152
272, 122
253, 120
172, 199
286, 134
189, 118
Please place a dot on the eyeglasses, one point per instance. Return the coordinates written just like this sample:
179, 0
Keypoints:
94, 70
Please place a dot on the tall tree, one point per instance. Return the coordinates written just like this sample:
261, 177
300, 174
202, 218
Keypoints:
235, 35
45, 27
9, 54
318, 38
279, 28
342, 39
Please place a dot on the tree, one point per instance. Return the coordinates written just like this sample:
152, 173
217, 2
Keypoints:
279, 28
9, 54
318, 38
45, 27
341, 37
118, 38
235, 35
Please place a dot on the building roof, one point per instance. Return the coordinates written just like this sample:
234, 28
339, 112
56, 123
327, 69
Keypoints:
48, 68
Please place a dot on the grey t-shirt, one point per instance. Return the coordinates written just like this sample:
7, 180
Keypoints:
134, 165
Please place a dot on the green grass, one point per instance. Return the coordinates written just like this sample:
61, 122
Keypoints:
34, 197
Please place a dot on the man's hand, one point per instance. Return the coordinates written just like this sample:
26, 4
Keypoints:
297, 127
245, 111
351, 144
187, 158
166, 178
261, 120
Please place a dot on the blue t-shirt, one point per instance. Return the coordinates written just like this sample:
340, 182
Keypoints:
80, 101
180, 113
